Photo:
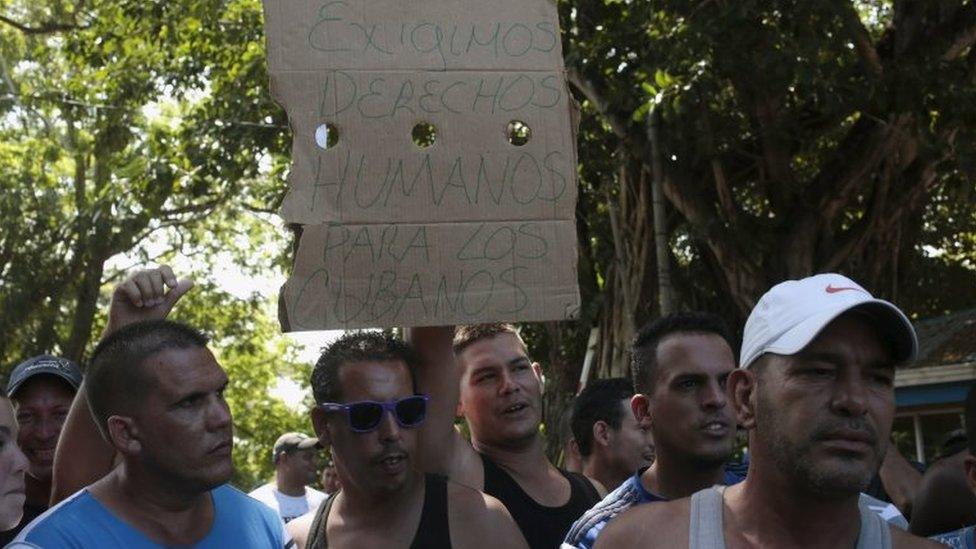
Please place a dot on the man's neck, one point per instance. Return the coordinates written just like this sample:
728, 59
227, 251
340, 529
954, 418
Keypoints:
289, 488
530, 469
770, 510
525, 457
604, 473
674, 477
38, 491
156, 508
364, 505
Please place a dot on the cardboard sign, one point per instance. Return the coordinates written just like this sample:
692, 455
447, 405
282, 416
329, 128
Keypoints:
433, 162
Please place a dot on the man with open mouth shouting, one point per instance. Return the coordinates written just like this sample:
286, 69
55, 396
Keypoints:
369, 413
485, 374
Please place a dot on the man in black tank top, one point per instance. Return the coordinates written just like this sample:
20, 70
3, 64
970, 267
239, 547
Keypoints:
433, 530
368, 412
527, 512
484, 372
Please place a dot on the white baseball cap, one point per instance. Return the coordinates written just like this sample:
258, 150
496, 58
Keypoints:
791, 314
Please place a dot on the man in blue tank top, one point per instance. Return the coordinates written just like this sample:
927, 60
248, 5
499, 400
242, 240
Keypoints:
156, 395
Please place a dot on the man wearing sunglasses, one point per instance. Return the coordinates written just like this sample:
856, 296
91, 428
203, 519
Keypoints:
485, 374
369, 413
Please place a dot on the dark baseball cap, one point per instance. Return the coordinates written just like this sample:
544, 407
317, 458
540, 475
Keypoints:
293, 441
63, 368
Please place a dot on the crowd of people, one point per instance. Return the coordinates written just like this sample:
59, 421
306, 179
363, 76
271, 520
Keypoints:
138, 454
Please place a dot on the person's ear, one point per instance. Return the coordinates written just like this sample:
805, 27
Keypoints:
742, 390
640, 405
601, 433
320, 423
969, 465
574, 446
123, 433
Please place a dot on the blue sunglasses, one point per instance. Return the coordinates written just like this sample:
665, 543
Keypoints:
365, 415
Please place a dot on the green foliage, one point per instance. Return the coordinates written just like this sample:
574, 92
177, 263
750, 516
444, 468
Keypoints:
120, 120
796, 137
133, 132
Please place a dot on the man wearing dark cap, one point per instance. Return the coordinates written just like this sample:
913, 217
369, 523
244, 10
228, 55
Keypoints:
294, 456
815, 390
41, 389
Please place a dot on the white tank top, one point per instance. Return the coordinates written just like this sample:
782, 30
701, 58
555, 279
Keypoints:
705, 525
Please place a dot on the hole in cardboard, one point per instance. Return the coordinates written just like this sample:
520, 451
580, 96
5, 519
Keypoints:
424, 134
326, 136
519, 133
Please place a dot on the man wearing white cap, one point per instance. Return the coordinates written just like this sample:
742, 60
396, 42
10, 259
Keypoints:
815, 389
295, 456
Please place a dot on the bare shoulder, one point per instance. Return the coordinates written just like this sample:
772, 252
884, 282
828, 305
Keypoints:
662, 524
298, 529
600, 488
468, 468
901, 539
479, 520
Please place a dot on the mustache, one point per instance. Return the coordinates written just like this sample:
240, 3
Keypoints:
860, 425
392, 450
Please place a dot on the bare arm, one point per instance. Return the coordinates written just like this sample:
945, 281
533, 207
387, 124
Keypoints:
478, 520
300, 528
663, 524
441, 448
82, 455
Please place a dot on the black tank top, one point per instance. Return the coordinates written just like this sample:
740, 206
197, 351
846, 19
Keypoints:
543, 527
434, 530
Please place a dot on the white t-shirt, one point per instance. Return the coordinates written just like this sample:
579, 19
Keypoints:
288, 507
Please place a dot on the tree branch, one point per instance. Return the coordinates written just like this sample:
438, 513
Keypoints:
742, 275
962, 43
864, 147
722, 188
862, 39
618, 124
48, 27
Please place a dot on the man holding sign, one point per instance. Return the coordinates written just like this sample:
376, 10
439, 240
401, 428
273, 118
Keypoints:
494, 384
369, 414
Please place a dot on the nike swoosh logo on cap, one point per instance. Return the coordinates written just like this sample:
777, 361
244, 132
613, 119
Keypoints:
834, 289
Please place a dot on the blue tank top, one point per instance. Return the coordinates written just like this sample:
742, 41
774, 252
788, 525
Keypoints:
240, 522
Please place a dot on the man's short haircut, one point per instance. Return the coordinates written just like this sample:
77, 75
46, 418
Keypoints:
599, 401
969, 413
644, 349
357, 347
465, 336
116, 378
